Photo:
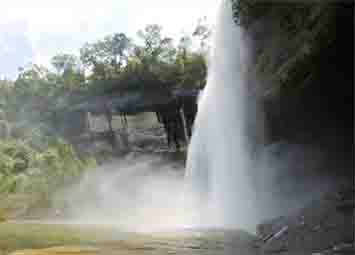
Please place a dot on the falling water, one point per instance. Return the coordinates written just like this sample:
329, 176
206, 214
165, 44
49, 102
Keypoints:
218, 162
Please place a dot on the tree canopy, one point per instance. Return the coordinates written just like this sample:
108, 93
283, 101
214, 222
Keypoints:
114, 63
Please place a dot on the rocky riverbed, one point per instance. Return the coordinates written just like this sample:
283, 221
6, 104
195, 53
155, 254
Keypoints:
324, 226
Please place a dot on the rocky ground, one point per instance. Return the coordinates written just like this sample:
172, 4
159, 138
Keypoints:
324, 226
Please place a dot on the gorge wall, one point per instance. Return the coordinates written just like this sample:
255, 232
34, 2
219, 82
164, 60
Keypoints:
301, 72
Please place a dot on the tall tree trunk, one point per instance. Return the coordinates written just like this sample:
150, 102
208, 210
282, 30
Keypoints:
112, 136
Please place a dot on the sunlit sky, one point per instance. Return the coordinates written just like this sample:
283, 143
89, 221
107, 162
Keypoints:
35, 30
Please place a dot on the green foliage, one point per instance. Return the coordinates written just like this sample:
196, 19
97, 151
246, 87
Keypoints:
117, 63
195, 71
156, 46
154, 60
158, 59
62, 62
26, 170
106, 57
70, 74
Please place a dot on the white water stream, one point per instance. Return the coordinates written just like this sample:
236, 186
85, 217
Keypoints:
218, 161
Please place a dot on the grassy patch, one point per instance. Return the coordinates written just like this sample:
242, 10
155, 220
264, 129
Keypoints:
54, 239
34, 236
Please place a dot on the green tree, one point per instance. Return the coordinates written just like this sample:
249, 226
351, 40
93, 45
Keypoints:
106, 57
69, 72
156, 47
63, 62
33, 80
195, 71
191, 64
117, 47
6, 88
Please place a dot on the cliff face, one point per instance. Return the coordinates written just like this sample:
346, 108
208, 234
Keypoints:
303, 57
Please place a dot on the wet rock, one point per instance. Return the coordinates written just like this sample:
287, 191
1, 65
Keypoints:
316, 228
278, 250
326, 252
346, 206
344, 248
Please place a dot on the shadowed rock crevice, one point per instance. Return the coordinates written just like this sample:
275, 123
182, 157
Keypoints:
303, 56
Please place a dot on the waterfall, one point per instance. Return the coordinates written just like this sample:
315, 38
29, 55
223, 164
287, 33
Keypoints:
218, 160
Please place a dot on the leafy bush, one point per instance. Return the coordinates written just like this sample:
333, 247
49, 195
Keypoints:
39, 173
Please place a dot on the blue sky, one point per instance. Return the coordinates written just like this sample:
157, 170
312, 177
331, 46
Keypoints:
35, 30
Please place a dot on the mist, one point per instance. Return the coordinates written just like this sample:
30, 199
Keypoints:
142, 193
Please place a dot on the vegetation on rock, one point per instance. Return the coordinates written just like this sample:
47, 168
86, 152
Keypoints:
299, 53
